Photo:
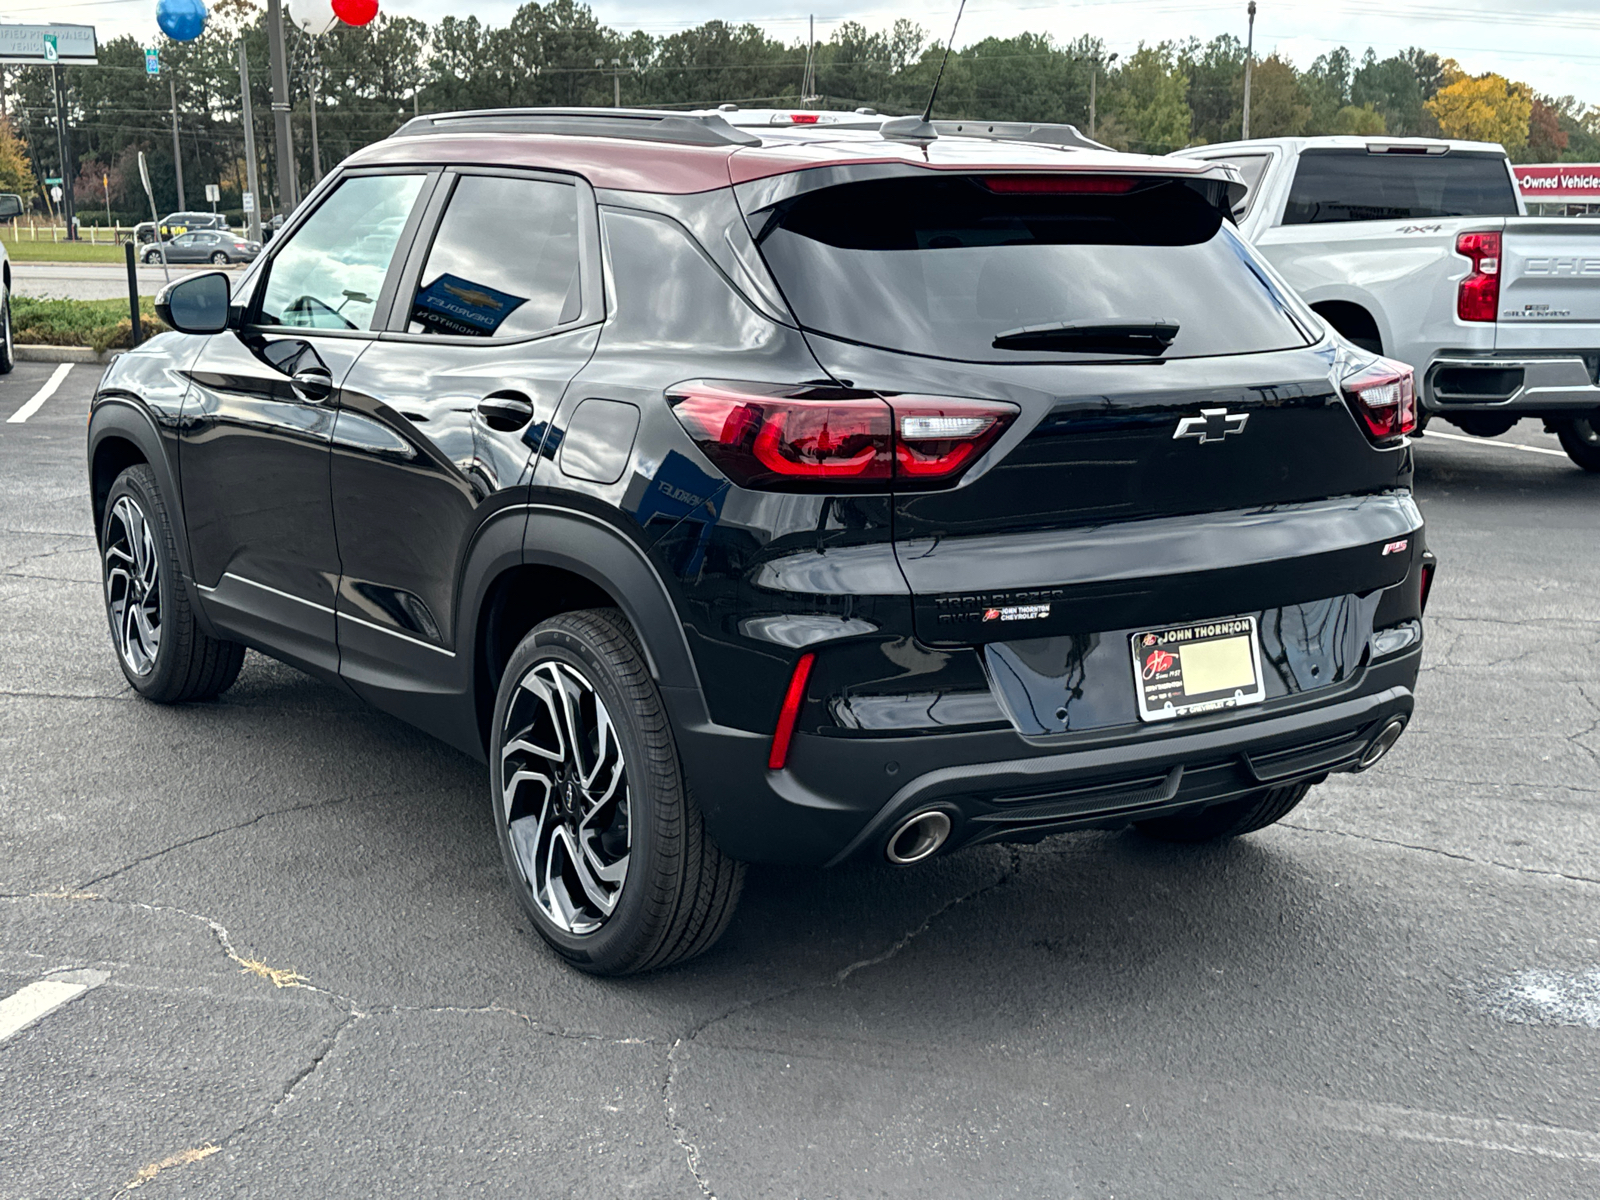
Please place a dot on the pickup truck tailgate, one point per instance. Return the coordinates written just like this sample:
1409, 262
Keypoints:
1549, 276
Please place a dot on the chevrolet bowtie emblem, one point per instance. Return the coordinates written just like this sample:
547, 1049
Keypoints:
1212, 425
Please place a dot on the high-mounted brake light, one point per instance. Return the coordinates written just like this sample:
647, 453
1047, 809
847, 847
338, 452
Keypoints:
1478, 298
803, 118
1104, 185
830, 439
1384, 396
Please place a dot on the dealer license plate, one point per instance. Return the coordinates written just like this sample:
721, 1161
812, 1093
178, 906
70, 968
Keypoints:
1197, 668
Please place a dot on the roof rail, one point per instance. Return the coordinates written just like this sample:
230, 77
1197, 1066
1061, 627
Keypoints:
643, 124
1019, 131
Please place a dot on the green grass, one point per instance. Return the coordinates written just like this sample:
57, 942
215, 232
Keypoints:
25, 251
99, 324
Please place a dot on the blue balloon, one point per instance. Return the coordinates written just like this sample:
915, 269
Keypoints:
181, 20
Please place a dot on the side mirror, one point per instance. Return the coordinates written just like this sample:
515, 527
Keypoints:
198, 304
10, 205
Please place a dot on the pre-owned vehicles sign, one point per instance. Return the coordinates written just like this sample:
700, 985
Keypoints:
1559, 181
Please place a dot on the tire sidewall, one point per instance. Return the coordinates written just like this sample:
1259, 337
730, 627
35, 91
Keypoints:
137, 484
621, 939
8, 351
220, 259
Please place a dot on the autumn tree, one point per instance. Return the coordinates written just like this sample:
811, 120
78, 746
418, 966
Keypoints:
1483, 108
1547, 140
16, 172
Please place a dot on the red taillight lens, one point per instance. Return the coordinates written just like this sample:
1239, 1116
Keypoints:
793, 698
834, 440
1104, 185
1479, 296
803, 118
1384, 396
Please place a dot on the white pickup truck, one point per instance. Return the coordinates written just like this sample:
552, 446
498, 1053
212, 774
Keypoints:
1422, 250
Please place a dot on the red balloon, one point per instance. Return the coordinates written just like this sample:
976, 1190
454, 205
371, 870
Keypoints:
355, 12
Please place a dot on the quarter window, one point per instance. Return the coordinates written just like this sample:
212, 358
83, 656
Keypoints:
330, 272
504, 262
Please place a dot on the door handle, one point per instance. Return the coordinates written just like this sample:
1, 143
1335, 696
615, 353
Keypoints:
312, 384
505, 411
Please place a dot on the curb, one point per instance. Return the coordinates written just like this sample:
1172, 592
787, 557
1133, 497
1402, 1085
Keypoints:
61, 354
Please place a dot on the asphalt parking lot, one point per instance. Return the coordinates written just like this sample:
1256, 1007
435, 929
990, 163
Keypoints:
285, 962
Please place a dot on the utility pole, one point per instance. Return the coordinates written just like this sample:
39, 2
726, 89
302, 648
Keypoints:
288, 186
316, 147
1249, 62
177, 148
253, 215
58, 82
1094, 74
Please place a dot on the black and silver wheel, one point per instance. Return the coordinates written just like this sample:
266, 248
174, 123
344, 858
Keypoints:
162, 652
1580, 438
8, 349
152, 256
1230, 819
220, 259
602, 841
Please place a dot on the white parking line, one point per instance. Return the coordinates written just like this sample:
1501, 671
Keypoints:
1477, 441
23, 1008
39, 397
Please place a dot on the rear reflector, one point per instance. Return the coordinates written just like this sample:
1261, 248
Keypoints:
1384, 396
790, 712
1478, 298
1055, 184
829, 439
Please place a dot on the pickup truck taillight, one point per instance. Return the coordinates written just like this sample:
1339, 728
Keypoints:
1384, 396
832, 439
1479, 296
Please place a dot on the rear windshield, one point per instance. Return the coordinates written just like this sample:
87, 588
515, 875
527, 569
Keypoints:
942, 267
1352, 185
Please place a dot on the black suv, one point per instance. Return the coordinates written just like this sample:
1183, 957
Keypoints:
780, 496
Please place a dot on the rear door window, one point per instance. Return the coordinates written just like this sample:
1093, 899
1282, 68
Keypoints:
330, 272
1352, 185
1252, 167
504, 262
945, 267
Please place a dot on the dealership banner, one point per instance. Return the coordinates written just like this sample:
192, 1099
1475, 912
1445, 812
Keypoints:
1559, 181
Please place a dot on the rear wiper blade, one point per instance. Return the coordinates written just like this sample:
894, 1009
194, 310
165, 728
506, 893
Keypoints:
1151, 336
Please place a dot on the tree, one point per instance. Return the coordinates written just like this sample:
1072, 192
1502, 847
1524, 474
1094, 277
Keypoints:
1363, 121
1391, 89
16, 172
1326, 88
1547, 140
1278, 108
1149, 102
1484, 108
1216, 75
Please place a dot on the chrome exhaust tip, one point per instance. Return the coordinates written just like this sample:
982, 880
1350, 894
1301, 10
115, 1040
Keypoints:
1382, 744
918, 837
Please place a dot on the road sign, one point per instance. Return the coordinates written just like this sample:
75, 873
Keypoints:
249, 202
52, 52
152, 61
55, 194
213, 192
52, 179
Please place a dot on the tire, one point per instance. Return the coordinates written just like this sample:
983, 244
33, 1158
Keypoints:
152, 256
1230, 819
8, 349
1580, 438
162, 651
220, 259
566, 818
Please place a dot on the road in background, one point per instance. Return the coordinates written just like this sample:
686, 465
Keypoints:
317, 981
91, 281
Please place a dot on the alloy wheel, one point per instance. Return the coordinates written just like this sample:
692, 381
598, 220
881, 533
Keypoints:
566, 797
133, 586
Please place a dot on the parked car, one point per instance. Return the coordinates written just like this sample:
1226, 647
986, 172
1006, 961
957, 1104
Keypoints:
791, 496
11, 206
218, 246
1421, 249
176, 224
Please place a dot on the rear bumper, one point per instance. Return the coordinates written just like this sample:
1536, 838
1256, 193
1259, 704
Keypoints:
841, 798
1513, 383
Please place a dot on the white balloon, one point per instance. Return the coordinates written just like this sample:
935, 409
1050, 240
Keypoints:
316, 17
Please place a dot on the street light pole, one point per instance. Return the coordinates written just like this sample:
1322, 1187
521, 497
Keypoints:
58, 83
253, 216
288, 188
1249, 62
177, 147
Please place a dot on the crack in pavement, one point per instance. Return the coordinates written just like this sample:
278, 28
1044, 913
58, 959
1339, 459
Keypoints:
690, 1150
1537, 785
1466, 858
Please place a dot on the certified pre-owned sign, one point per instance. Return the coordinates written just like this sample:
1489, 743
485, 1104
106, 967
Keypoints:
70, 45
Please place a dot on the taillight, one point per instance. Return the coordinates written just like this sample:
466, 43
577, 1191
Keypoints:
1384, 396
827, 439
793, 698
803, 118
1479, 296
1055, 184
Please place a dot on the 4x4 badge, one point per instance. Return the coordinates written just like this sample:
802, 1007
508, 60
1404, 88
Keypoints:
1212, 425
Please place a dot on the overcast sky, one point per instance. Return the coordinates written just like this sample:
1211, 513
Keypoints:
1552, 44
